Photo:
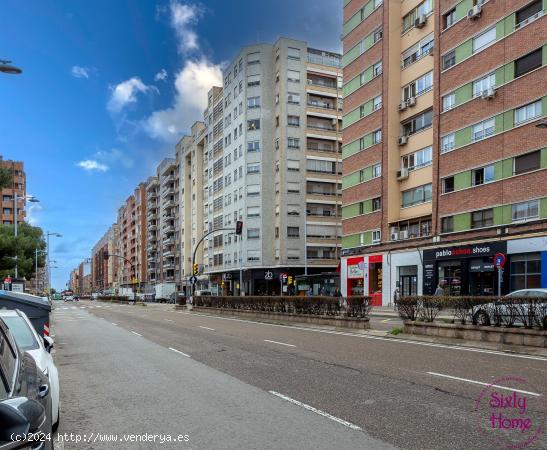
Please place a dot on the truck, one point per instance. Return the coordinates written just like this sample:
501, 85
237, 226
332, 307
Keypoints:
164, 291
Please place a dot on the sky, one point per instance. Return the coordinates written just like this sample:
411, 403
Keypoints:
109, 86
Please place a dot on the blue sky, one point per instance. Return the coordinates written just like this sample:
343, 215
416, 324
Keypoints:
108, 87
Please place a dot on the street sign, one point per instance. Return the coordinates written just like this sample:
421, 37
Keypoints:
499, 260
193, 279
283, 276
268, 275
7, 280
226, 276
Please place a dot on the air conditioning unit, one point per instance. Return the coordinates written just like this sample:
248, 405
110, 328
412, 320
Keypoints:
411, 101
474, 13
402, 174
420, 21
402, 105
394, 236
402, 140
488, 93
403, 234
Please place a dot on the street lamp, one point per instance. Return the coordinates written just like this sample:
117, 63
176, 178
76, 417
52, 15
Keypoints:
6, 67
16, 198
48, 234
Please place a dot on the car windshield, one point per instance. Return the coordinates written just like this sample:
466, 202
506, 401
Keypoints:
21, 332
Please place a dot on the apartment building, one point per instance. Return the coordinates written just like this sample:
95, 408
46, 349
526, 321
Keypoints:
276, 166
444, 146
103, 267
18, 186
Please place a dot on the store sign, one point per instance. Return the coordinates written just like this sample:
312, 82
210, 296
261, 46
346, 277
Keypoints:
480, 266
465, 251
355, 272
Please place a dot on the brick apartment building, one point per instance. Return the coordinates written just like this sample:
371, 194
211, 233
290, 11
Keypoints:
8, 194
104, 268
444, 146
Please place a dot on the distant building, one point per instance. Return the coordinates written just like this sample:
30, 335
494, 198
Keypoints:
18, 186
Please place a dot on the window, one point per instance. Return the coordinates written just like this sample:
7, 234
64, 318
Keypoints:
293, 53
293, 75
377, 35
253, 58
293, 98
483, 84
525, 210
527, 112
377, 68
449, 18
293, 165
483, 129
293, 187
449, 59
419, 86
293, 210
416, 195
418, 123
376, 170
417, 160
318, 165
293, 254
423, 9
253, 102
483, 175
376, 236
253, 80
448, 142
253, 168
253, 124
293, 142
484, 39
525, 271
7, 211
483, 218
253, 233
293, 121
528, 62
377, 103
529, 13
253, 146
293, 232
448, 185
417, 51
376, 137
253, 190
527, 163
447, 224
376, 204
449, 101
253, 211
253, 255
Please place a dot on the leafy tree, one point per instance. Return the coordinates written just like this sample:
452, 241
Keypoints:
24, 246
6, 177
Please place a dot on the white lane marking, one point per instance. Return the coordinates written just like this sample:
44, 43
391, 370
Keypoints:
134, 332
179, 352
380, 338
65, 308
279, 343
114, 324
483, 384
316, 411
168, 320
207, 328
385, 320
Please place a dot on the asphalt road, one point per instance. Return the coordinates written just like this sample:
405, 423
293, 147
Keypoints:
238, 384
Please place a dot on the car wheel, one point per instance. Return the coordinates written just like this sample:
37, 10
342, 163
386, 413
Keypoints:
481, 318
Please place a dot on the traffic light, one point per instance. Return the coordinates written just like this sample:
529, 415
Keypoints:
289, 280
239, 227
105, 255
196, 268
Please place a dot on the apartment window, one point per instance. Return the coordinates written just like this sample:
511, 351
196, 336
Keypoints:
525, 210
449, 101
293, 53
484, 39
483, 84
321, 166
293, 210
7, 211
376, 170
253, 190
293, 187
417, 160
529, 13
293, 121
377, 68
253, 233
253, 80
253, 168
253, 255
447, 224
525, 271
376, 204
293, 254
253, 124
253, 102
527, 163
483, 175
528, 112
253, 211
449, 18
423, 9
528, 62
419, 86
376, 236
293, 75
253, 146
417, 51
449, 59
483, 129
253, 58
293, 165
377, 137
418, 123
293, 98
377, 35
448, 185
293, 142
293, 232
416, 195
377, 103
483, 218
448, 142
361, 208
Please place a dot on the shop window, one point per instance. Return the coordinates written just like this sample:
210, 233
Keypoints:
408, 280
525, 270
450, 277
483, 218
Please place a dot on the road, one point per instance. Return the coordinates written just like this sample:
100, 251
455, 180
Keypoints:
231, 383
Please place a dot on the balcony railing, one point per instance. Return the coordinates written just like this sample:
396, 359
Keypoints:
322, 83
321, 127
323, 106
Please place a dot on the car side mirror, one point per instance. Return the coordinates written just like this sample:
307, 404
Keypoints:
48, 343
19, 416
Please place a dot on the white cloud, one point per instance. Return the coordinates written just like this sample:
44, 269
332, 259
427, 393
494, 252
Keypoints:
161, 75
183, 16
32, 209
91, 165
192, 84
125, 93
80, 72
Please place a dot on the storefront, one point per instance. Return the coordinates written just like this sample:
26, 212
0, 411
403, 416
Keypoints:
527, 263
464, 269
406, 273
363, 275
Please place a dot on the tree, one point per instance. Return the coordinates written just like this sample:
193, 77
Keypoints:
6, 177
24, 247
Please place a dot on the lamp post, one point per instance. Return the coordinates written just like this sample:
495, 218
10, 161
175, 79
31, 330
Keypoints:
16, 199
6, 67
48, 234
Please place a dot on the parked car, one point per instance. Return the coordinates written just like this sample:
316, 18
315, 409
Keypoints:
69, 298
39, 348
509, 314
25, 400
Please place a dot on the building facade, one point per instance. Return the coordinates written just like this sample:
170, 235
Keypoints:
444, 148
104, 266
19, 186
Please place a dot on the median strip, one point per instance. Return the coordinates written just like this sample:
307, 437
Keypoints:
179, 352
316, 411
279, 343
